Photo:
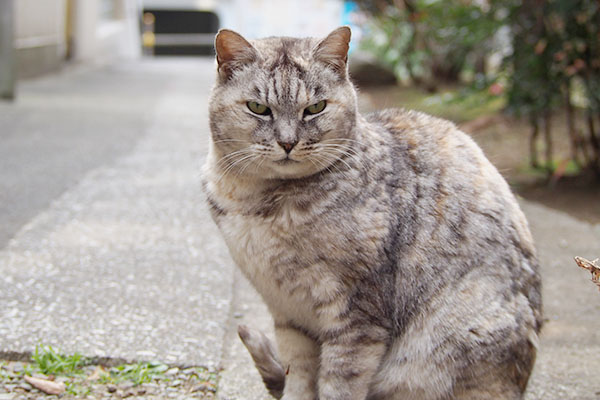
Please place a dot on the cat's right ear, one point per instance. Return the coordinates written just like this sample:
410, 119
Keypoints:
233, 51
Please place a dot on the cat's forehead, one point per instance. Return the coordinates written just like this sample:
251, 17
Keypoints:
285, 52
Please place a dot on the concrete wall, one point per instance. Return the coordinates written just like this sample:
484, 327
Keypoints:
40, 36
47, 31
103, 38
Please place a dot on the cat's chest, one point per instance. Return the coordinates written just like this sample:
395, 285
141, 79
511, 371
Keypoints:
279, 255
262, 245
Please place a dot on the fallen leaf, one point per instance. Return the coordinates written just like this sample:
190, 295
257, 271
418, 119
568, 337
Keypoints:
46, 386
591, 266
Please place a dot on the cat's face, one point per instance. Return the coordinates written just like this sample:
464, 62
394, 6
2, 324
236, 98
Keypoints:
282, 107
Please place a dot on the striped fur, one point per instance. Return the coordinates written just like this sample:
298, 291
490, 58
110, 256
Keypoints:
392, 255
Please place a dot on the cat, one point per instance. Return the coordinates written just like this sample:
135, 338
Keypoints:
392, 255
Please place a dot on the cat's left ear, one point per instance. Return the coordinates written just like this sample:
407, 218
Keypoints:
333, 50
233, 52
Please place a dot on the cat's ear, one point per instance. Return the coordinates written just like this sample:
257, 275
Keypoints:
233, 51
333, 50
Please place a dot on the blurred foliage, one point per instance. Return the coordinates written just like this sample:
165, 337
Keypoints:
555, 64
547, 53
428, 41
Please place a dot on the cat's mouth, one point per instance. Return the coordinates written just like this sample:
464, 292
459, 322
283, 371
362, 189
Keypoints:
286, 161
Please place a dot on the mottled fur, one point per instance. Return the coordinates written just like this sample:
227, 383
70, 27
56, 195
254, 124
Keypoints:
392, 255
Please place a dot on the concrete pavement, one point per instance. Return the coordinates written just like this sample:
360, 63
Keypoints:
125, 264
122, 262
65, 125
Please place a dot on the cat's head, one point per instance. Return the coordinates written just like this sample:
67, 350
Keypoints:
282, 107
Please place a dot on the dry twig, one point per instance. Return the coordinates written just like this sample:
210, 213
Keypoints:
591, 266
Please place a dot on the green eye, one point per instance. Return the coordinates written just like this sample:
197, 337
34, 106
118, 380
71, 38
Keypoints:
315, 108
257, 108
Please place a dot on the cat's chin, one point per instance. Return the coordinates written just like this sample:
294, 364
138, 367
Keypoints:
289, 169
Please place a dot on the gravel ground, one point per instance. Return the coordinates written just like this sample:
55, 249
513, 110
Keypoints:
175, 383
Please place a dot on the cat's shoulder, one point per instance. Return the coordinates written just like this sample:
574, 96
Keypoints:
398, 120
421, 130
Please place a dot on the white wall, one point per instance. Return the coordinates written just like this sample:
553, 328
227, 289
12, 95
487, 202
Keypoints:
40, 23
100, 39
261, 18
41, 39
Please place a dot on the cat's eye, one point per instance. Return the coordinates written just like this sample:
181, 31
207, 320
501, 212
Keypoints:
315, 108
258, 108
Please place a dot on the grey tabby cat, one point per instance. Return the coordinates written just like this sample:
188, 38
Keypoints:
392, 255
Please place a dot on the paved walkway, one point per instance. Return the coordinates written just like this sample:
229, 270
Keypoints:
127, 265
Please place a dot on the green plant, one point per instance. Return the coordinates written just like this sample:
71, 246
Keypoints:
137, 373
77, 389
431, 41
50, 362
556, 52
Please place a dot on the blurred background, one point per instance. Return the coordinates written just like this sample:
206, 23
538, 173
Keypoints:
521, 76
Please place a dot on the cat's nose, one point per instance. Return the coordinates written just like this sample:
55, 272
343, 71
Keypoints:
287, 146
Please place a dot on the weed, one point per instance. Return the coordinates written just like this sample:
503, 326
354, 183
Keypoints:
83, 378
49, 362
77, 389
137, 373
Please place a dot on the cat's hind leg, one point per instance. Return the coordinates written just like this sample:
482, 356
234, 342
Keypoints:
504, 380
492, 385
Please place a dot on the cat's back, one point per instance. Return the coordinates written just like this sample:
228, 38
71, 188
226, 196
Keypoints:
446, 165
433, 145
465, 218
466, 263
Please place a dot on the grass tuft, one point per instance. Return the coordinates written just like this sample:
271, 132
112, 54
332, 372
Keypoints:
50, 362
137, 373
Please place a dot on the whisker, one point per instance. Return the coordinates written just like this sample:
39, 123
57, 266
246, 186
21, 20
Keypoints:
231, 140
327, 163
335, 140
321, 165
340, 159
250, 161
340, 147
346, 148
359, 158
233, 164
232, 155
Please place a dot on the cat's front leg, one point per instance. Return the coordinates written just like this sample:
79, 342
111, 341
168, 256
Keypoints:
300, 357
349, 361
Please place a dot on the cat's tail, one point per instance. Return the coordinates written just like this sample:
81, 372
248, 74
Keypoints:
265, 358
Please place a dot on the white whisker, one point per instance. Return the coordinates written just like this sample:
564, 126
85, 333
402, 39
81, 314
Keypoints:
231, 141
234, 163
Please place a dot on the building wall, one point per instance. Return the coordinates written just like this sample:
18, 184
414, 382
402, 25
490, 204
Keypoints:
40, 36
105, 30
299, 18
261, 18
50, 31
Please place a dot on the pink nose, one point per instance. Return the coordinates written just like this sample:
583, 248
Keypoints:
287, 146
